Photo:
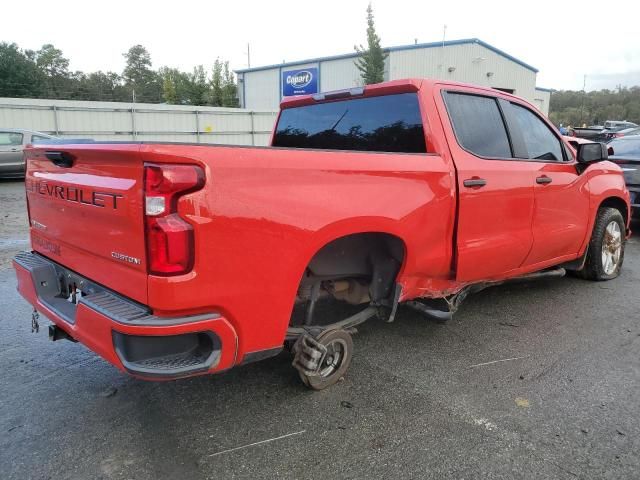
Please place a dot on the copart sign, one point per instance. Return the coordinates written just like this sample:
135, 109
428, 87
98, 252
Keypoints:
299, 82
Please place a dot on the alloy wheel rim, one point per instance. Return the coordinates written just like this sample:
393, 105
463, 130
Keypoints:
611, 248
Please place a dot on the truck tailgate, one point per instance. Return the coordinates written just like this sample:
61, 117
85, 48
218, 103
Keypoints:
86, 212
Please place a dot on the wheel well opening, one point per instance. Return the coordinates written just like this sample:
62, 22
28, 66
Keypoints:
349, 271
618, 204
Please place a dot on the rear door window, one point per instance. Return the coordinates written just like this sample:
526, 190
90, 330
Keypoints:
390, 123
540, 141
10, 139
478, 125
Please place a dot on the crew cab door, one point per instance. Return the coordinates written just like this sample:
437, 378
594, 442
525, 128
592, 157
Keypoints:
560, 216
495, 189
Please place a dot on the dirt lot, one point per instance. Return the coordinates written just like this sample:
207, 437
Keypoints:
538, 380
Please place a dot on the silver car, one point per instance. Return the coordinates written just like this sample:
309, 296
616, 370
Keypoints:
12, 143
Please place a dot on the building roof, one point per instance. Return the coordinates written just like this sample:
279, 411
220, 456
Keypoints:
448, 43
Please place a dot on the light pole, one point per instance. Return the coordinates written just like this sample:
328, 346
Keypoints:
584, 93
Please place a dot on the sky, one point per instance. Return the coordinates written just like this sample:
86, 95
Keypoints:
564, 40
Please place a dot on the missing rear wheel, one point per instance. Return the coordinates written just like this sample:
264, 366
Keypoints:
334, 364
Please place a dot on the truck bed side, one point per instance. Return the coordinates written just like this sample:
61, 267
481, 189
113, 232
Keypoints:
266, 211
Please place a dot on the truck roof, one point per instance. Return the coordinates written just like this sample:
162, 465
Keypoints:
385, 88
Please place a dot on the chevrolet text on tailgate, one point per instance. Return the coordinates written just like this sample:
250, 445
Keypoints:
173, 260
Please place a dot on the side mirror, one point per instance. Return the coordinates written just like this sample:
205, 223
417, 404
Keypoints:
592, 152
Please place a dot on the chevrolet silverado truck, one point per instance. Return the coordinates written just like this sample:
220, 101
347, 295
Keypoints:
174, 260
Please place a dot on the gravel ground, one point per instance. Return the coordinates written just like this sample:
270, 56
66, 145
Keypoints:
538, 380
14, 223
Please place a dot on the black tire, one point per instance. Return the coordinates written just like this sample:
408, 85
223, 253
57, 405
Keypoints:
595, 267
336, 341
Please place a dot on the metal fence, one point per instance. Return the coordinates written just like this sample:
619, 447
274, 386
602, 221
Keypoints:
144, 122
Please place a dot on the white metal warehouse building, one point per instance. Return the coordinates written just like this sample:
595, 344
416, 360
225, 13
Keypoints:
469, 61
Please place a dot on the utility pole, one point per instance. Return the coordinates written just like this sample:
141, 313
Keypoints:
248, 57
584, 93
444, 34
133, 114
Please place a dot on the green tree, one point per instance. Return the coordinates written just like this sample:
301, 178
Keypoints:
197, 91
45, 73
169, 84
229, 88
100, 86
19, 74
216, 83
59, 82
138, 68
185, 88
576, 107
370, 63
175, 86
51, 61
139, 78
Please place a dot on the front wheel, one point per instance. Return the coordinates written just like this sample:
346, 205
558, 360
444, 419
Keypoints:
606, 248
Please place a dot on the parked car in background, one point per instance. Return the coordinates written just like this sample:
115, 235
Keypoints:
615, 125
608, 136
585, 132
626, 153
602, 133
614, 129
12, 143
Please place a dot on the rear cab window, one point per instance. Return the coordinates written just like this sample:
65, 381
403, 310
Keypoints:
389, 123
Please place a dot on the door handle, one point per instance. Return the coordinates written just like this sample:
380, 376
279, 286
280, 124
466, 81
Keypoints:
543, 180
474, 182
61, 159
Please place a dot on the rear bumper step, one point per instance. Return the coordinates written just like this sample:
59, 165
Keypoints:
167, 356
122, 331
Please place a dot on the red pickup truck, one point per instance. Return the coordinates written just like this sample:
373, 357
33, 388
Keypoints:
173, 260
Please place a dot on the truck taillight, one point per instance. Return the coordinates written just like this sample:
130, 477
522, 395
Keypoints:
170, 242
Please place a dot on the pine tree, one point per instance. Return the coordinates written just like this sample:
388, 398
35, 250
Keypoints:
229, 87
139, 77
371, 60
216, 84
169, 87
